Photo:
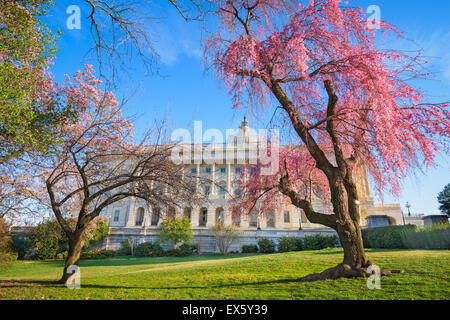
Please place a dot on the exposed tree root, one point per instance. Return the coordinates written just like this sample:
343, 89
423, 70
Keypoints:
345, 271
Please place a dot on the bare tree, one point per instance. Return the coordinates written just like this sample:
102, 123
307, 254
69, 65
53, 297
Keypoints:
121, 30
225, 235
97, 165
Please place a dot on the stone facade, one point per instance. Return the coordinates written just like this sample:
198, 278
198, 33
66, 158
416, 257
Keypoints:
132, 218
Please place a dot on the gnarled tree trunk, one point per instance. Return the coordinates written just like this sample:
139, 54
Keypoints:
76, 243
345, 219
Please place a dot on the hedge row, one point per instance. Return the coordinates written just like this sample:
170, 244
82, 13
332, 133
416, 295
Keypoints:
389, 237
434, 237
286, 244
146, 249
149, 249
96, 254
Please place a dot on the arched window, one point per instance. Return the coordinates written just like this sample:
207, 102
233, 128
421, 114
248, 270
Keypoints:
155, 216
220, 215
203, 217
140, 216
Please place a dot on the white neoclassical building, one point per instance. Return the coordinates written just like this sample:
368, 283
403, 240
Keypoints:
132, 218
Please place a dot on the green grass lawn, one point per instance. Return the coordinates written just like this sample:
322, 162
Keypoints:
232, 277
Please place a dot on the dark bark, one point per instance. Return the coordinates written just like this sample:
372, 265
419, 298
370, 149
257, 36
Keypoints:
344, 198
76, 243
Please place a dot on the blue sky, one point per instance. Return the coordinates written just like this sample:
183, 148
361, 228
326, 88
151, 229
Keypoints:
183, 91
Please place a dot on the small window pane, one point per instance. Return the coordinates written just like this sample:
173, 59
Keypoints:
287, 217
116, 215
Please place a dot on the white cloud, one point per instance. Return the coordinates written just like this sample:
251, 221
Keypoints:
173, 41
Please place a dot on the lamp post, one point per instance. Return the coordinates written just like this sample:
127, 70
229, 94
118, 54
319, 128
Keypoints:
408, 206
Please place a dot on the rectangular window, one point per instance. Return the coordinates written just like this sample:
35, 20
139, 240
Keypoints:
116, 215
193, 170
208, 170
207, 190
223, 170
287, 217
238, 170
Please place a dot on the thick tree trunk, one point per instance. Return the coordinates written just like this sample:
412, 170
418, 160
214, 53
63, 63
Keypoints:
76, 243
351, 240
354, 263
344, 198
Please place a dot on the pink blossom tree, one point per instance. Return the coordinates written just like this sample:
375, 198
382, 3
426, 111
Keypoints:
349, 103
96, 164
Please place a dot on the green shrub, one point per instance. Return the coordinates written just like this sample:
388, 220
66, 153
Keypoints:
182, 251
48, 239
266, 245
98, 254
127, 247
286, 244
21, 245
176, 231
61, 255
250, 248
6, 254
225, 235
144, 249
319, 242
434, 237
149, 249
298, 241
187, 249
389, 237
96, 232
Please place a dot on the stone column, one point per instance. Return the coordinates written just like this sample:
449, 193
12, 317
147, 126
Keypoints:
213, 179
197, 182
295, 217
278, 218
195, 212
179, 211
228, 180
211, 220
262, 221
228, 217
245, 221
131, 214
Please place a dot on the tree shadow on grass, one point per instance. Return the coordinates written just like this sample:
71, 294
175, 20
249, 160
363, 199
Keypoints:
127, 260
53, 284
28, 283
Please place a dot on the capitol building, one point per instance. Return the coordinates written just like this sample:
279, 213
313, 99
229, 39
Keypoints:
132, 218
